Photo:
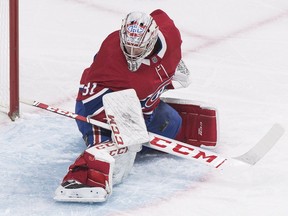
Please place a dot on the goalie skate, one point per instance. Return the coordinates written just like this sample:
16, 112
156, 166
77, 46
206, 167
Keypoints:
73, 191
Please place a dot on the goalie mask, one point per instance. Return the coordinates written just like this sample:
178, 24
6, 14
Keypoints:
138, 35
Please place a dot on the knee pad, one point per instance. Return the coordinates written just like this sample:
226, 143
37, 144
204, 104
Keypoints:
199, 122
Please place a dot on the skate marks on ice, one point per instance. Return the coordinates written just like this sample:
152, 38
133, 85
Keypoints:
37, 150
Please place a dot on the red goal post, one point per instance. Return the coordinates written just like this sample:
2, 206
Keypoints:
9, 64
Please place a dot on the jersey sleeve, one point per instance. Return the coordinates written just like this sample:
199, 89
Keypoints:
171, 33
89, 98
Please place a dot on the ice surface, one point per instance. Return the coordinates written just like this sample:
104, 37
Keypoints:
237, 53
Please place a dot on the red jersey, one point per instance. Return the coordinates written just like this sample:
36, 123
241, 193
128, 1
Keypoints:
109, 70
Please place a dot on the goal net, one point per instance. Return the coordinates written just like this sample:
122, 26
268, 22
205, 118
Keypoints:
9, 58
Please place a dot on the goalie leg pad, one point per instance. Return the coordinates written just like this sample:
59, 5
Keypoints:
124, 159
199, 124
123, 166
89, 178
91, 168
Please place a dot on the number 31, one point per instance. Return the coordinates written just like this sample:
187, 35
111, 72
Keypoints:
89, 89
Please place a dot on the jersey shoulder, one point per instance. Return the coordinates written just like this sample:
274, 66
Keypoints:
109, 65
167, 28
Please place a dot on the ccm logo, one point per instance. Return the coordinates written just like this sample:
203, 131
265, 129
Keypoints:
181, 149
61, 112
111, 147
119, 151
115, 130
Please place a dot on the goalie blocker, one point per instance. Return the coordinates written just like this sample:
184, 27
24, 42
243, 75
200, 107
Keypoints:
199, 122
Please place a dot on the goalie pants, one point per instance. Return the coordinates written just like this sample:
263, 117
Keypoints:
164, 121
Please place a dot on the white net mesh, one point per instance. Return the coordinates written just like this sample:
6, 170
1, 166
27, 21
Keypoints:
4, 55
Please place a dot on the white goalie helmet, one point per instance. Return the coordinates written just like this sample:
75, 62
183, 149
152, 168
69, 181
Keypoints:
138, 35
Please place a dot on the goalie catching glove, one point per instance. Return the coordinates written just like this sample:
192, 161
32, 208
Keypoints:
181, 78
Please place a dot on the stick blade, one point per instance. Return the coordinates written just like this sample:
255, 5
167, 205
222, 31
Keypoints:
263, 146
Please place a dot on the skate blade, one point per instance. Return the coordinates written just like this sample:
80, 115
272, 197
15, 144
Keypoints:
90, 195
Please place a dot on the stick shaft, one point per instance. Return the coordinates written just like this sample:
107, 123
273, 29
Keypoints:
156, 142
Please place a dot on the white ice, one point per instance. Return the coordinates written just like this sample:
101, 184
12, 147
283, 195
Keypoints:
237, 52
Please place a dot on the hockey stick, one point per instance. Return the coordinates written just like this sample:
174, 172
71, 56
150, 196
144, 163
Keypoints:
184, 150
262, 146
